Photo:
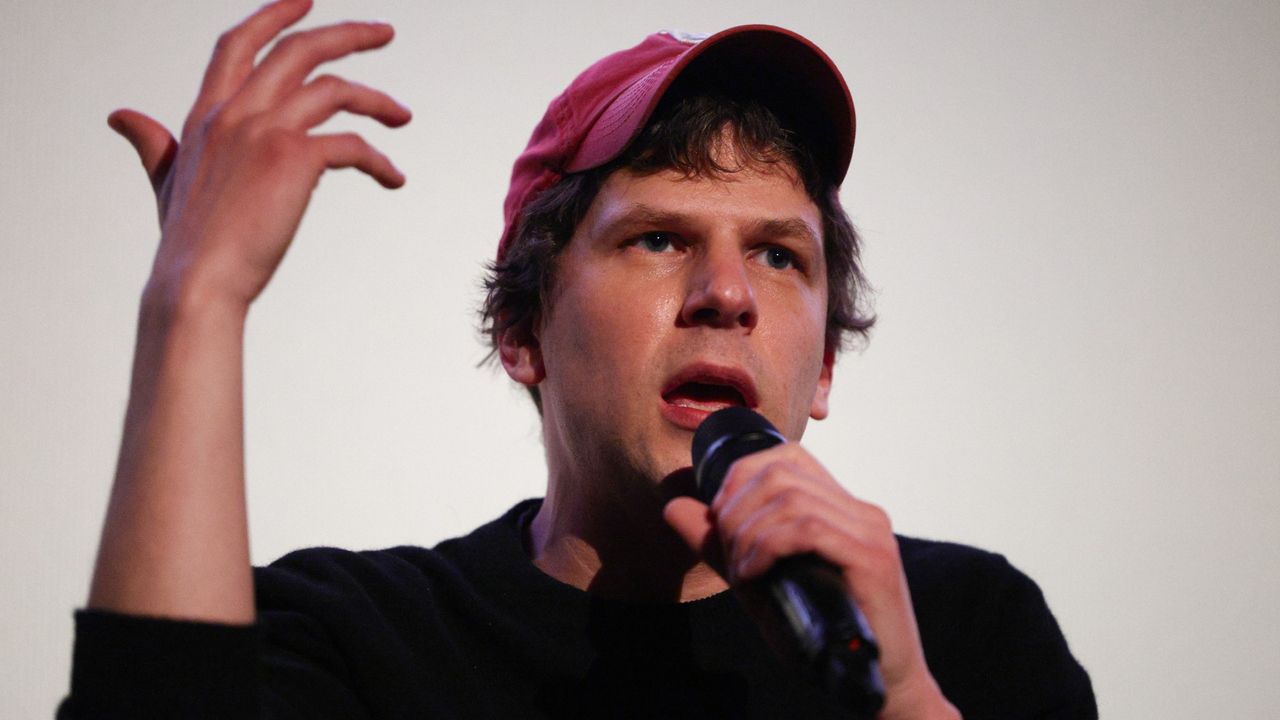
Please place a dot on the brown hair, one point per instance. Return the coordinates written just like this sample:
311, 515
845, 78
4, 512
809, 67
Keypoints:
688, 135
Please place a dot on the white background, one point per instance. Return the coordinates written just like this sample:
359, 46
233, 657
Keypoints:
1071, 215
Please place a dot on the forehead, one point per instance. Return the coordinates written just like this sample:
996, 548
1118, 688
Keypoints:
758, 195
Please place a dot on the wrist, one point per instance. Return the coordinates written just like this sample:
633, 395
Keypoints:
918, 699
167, 300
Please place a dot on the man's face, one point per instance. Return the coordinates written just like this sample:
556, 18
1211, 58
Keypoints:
674, 298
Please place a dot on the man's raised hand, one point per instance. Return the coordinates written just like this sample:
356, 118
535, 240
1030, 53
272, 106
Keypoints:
230, 195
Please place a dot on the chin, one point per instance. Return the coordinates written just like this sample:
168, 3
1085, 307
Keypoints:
671, 461
678, 483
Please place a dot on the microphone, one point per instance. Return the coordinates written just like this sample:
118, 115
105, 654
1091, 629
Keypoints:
832, 639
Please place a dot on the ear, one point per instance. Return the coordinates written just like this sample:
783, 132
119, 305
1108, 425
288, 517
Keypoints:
521, 355
821, 394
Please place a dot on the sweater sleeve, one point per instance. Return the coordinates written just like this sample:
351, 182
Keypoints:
283, 666
126, 666
338, 634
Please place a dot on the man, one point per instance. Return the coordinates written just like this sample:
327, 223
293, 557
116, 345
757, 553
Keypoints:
674, 245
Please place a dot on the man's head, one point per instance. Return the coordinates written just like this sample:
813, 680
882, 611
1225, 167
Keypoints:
658, 263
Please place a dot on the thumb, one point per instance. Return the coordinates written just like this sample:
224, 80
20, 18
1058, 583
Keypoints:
154, 144
692, 521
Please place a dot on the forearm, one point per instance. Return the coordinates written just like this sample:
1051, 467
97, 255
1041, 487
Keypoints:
175, 540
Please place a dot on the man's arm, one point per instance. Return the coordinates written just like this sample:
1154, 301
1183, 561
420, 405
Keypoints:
175, 542
230, 197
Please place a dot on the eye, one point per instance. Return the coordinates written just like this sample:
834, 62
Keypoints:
778, 258
656, 242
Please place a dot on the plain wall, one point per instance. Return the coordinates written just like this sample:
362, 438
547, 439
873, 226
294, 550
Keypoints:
1071, 215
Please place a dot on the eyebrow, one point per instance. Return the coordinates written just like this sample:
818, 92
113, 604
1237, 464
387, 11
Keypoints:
786, 227
642, 214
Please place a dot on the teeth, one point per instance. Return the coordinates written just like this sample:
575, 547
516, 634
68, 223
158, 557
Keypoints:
705, 396
699, 404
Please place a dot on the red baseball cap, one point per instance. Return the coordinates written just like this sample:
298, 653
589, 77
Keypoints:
604, 109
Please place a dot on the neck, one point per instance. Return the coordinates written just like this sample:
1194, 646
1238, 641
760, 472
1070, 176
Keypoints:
616, 544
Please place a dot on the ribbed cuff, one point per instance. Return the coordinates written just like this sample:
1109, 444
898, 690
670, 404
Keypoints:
127, 666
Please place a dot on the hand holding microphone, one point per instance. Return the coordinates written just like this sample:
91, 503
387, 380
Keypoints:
825, 557
830, 637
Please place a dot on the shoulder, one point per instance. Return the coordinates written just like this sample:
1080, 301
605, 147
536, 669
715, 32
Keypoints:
959, 587
960, 573
989, 637
373, 618
938, 556
964, 586
966, 596
319, 576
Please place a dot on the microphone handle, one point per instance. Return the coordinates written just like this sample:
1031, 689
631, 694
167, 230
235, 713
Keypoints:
836, 646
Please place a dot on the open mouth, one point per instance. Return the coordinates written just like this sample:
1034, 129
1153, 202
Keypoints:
707, 396
702, 388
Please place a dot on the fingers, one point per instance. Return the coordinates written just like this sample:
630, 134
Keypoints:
790, 523
350, 150
694, 523
751, 467
319, 99
154, 144
755, 479
234, 53
691, 520
295, 56
782, 502
768, 538
270, 96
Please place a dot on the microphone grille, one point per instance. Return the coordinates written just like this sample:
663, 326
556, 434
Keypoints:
730, 421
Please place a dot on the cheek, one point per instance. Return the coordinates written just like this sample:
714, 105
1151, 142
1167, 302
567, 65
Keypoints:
604, 333
804, 360
796, 341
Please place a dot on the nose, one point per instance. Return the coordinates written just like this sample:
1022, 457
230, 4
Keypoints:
719, 292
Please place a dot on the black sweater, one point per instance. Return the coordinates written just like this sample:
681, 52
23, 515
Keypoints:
472, 629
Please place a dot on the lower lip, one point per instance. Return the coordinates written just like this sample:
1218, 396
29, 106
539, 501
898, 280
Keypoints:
682, 416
